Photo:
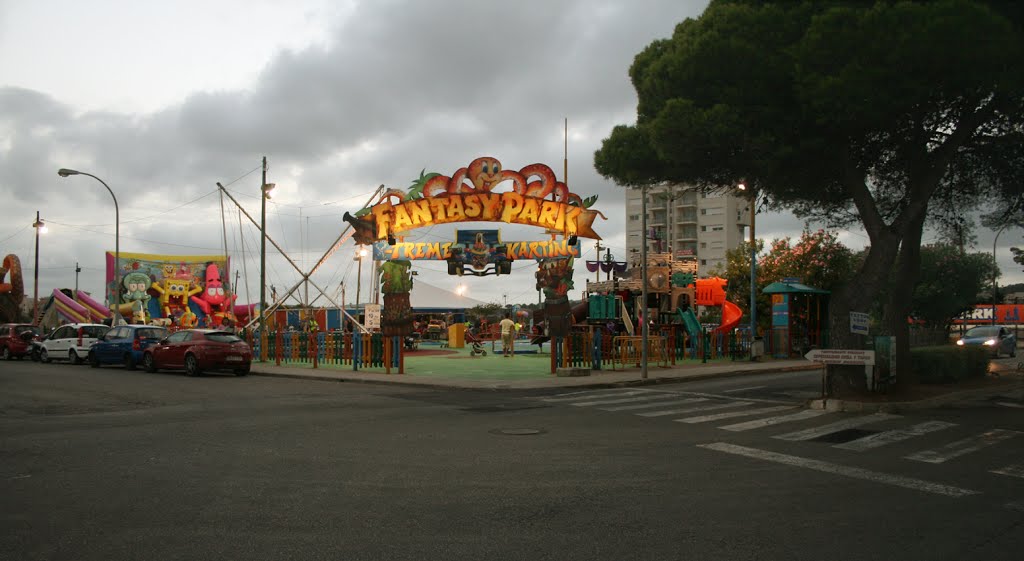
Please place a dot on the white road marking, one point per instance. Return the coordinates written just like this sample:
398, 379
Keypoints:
837, 426
891, 436
633, 399
1013, 471
1019, 505
720, 396
1010, 404
655, 404
961, 447
694, 409
731, 414
594, 394
767, 422
836, 469
743, 389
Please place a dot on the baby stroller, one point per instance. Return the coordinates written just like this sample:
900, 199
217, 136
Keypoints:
478, 347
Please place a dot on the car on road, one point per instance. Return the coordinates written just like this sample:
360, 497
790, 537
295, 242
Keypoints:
998, 338
71, 341
199, 350
16, 340
125, 345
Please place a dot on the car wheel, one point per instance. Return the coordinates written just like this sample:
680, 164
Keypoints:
7, 354
73, 357
244, 371
129, 361
149, 363
35, 355
94, 361
997, 352
1013, 351
192, 366
44, 356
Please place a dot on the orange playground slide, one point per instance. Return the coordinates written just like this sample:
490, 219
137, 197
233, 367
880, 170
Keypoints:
711, 292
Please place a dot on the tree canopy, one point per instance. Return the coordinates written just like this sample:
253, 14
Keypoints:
883, 113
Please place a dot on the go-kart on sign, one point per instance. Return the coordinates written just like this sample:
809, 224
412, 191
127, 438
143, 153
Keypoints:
841, 356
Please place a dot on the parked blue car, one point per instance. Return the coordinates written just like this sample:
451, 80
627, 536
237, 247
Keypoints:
124, 345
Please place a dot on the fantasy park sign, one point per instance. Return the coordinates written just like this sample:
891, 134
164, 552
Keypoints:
436, 199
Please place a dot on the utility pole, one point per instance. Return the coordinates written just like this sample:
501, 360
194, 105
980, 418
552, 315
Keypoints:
79, 270
263, 263
598, 272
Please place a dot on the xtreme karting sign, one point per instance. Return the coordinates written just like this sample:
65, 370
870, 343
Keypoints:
441, 251
437, 199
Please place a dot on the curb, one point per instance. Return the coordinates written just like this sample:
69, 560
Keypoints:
900, 406
404, 380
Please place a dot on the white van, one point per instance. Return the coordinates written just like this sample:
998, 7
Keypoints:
71, 341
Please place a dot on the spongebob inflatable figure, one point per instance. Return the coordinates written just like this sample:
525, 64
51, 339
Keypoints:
174, 294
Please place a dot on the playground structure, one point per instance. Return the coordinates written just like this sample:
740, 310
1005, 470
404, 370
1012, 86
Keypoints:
673, 293
12, 289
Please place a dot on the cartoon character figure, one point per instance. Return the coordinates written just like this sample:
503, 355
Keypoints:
188, 320
136, 285
174, 293
214, 302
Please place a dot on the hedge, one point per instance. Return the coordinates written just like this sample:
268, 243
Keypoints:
949, 364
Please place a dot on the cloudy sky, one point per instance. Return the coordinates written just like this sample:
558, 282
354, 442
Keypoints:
164, 100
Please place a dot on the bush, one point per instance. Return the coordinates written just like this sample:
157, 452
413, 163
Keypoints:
948, 364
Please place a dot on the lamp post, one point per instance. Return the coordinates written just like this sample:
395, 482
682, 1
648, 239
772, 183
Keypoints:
753, 261
40, 229
995, 272
644, 331
359, 275
63, 172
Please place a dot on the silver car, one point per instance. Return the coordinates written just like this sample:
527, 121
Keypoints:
71, 341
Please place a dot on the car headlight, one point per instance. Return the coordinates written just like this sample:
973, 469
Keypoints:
960, 342
990, 342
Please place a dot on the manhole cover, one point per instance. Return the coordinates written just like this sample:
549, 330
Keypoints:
845, 435
518, 432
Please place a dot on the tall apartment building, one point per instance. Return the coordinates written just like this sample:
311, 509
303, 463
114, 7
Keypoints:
687, 223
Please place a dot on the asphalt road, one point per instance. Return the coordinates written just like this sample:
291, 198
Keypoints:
110, 464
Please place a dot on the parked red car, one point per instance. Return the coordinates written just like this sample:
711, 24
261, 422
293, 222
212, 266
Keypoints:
16, 340
196, 350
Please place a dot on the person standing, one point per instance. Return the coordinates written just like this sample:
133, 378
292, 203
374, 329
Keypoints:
507, 332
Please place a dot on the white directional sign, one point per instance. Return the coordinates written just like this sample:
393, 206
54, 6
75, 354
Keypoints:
859, 323
841, 356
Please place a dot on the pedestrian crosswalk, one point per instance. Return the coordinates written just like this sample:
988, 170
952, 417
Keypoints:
789, 422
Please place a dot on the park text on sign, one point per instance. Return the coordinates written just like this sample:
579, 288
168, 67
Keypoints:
859, 323
841, 356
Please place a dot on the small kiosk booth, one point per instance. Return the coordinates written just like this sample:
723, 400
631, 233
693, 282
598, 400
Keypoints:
799, 318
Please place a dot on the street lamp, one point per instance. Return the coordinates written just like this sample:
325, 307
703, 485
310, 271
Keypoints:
995, 271
40, 229
115, 320
359, 274
753, 261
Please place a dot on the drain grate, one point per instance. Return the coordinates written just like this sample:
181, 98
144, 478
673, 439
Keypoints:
502, 407
845, 435
518, 432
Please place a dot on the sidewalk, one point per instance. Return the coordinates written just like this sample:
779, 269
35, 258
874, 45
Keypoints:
494, 380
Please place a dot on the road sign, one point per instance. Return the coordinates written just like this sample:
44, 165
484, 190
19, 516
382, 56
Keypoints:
372, 312
859, 323
841, 356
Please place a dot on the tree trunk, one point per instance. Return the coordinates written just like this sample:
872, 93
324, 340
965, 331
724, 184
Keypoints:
901, 299
858, 296
396, 318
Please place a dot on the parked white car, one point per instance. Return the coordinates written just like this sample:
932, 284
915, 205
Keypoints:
71, 341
